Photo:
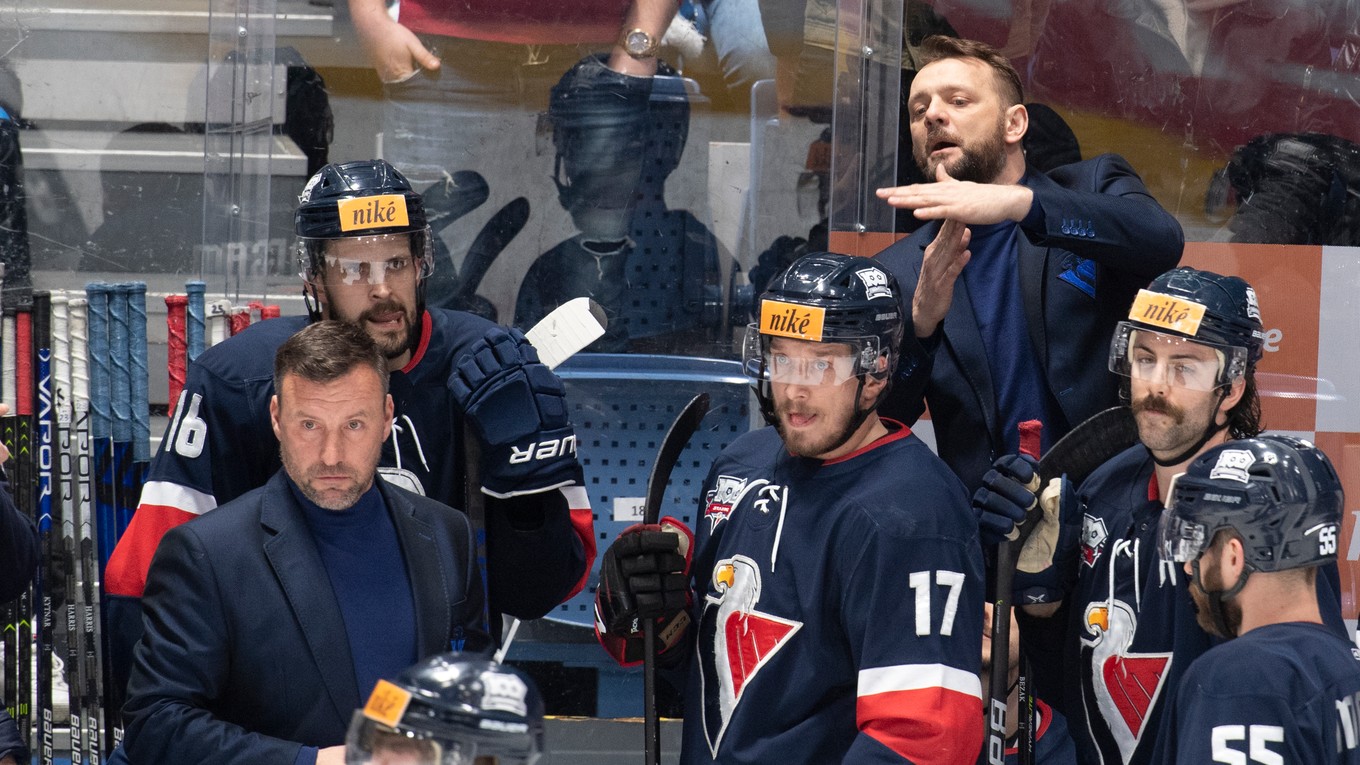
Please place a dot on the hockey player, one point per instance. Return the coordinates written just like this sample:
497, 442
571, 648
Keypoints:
1119, 647
364, 246
837, 577
1249, 523
451, 709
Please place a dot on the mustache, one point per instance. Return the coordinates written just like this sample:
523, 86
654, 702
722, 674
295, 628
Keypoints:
386, 306
1159, 405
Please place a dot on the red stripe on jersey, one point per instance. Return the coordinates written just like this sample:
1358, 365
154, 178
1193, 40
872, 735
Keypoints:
928, 726
583, 523
131, 558
422, 346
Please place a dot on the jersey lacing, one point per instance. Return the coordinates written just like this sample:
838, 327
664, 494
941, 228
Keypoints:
415, 438
1123, 546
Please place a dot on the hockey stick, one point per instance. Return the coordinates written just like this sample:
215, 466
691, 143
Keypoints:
24, 498
68, 490
686, 423
177, 349
8, 433
559, 335
195, 329
42, 352
90, 677
141, 404
1085, 448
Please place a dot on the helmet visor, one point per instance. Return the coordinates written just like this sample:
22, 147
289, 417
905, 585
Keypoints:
1161, 358
371, 260
1180, 539
370, 742
802, 362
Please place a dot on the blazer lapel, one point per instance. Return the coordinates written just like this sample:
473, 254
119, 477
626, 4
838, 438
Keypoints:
429, 581
297, 564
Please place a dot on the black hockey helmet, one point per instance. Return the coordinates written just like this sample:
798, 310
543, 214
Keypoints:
827, 297
1281, 494
366, 198
1201, 307
450, 709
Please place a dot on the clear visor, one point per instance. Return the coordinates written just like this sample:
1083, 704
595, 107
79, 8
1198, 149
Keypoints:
1179, 539
369, 742
803, 362
1157, 357
370, 260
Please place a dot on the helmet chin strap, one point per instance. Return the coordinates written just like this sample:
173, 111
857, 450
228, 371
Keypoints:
1214, 429
1217, 598
310, 300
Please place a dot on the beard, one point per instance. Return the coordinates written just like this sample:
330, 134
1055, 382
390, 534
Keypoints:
1211, 581
391, 343
330, 499
979, 163
836, 430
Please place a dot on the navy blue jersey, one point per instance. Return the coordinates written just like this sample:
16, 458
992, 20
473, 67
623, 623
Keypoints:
1283, 693
1132, 630
220, 444
838, 609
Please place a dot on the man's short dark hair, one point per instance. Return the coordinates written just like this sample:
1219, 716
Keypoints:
940, 47
325, 351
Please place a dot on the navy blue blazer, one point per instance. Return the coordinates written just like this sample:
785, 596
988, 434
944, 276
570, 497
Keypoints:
245, 657
1100, 238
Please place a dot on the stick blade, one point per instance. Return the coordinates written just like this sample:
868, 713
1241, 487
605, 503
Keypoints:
679, 434
1090, 444
569, 328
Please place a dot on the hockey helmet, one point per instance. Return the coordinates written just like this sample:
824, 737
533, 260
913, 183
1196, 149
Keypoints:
1279, 493
450, 709
1186, 305
364, 199
826, 297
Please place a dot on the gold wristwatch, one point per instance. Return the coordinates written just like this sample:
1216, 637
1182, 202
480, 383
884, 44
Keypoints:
639, 44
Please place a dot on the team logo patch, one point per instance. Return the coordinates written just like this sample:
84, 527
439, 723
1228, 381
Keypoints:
721, 498
1232, 465
744, 641
1093, 536
875, 283
403, 478
1253, 308
1126, 685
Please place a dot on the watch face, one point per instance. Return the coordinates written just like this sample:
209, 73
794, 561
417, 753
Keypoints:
638, 42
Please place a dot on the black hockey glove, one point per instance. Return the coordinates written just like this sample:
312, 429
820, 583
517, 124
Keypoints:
519, 409
644, 575
1047, 565
1007, 493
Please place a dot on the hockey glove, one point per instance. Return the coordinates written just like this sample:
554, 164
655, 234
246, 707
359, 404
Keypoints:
519, 409
1007, 493
1044, 571
644, 575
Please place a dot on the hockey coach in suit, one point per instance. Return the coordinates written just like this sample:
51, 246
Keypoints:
1016, 282
269, 620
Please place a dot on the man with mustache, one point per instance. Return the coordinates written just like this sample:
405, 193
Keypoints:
837, 577
1109, 627
271, 618
1249, 524
364, 247
1017, 279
